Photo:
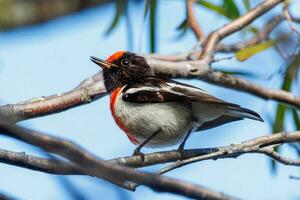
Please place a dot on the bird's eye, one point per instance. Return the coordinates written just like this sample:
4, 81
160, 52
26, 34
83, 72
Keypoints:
125, 62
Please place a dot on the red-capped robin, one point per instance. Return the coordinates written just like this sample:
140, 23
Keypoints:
159, 112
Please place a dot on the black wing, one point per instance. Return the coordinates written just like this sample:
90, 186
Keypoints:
158, 90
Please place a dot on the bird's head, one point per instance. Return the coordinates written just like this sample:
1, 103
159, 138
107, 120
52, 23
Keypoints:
122, 68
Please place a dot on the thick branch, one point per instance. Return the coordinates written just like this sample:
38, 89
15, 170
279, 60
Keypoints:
49, 166
232, 151
88, 91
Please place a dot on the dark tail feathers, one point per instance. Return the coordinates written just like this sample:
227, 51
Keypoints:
245, 113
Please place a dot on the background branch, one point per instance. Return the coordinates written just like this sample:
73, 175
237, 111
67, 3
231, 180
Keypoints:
18, 13
192, 21
262, 35
216, 36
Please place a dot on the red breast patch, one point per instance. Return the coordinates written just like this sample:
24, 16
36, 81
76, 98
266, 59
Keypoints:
113, 98
115, 56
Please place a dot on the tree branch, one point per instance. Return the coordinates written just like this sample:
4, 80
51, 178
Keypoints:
117, 174
49, 166
93, 88
192, 22
268, 27
261, 145
216, 36
89, 90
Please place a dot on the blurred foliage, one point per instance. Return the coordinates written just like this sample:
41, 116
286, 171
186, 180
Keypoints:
247, 5
247, 52
290, 76
244, 54
119, 12
16, 13
152, 24
228, 8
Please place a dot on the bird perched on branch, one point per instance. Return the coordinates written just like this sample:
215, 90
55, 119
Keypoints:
159, 112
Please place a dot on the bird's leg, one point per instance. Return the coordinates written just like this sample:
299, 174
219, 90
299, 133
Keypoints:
181, 146
137, 151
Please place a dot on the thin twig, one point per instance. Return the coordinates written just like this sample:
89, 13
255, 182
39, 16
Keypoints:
191, 18
216, 36
258, 145
262, 35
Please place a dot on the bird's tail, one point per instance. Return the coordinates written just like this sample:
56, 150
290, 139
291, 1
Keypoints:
244, 113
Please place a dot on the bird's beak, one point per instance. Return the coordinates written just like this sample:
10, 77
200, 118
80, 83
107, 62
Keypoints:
102, 63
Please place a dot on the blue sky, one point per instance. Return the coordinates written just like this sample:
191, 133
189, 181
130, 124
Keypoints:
54, 57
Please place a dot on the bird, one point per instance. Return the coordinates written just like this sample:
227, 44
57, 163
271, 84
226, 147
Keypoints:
157, 111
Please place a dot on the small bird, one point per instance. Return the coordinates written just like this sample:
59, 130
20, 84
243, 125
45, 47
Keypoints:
160, 112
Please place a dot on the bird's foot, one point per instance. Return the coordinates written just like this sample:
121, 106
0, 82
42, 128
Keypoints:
180, 150
137, 152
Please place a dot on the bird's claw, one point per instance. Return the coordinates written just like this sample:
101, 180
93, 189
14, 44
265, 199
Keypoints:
137, 152
180, 150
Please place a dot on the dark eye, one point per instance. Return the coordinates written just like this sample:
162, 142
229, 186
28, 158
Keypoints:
125, 62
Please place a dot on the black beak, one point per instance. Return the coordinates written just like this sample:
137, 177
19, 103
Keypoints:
102, 63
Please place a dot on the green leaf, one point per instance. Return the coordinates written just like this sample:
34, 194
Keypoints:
252, 50
153, 7
227, 9
278, 126
279, 120
252, 29
120, 9
247, 5
213, 7
273, 162
231, 9
183, 27
296, 119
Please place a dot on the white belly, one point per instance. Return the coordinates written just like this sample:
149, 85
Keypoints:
172, 120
